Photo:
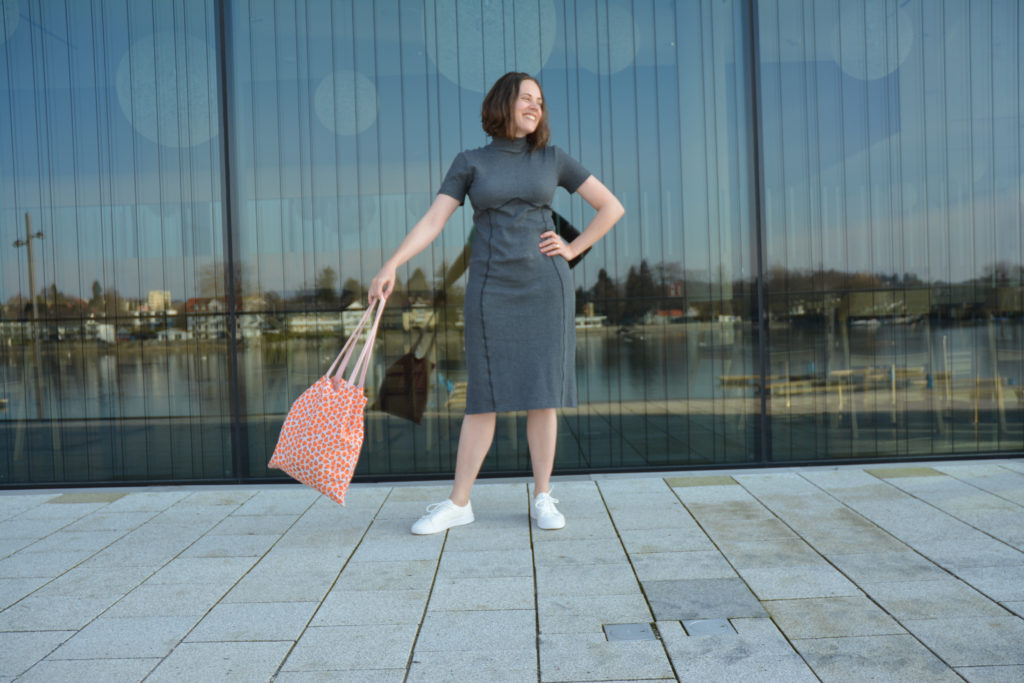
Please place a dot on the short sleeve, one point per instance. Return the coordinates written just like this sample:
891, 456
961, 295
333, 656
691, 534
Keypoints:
571, 173
458, 179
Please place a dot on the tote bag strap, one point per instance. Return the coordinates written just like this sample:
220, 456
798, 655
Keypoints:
363, 362
342, 361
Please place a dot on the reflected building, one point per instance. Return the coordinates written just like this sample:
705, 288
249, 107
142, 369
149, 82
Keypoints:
822, 258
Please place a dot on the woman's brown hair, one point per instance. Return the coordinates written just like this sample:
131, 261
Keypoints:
496, 111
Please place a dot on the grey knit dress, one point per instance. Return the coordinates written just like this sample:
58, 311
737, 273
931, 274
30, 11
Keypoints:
520, 304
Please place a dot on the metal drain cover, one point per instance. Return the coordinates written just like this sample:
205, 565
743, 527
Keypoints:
708, 627
629, 632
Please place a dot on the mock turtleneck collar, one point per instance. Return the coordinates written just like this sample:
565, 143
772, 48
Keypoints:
517, 145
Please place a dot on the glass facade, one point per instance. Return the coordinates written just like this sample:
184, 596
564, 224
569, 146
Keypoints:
821, 259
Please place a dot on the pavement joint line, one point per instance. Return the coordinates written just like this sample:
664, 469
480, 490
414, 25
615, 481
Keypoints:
636, 577
992, 493
536, 590
277, 669
866, 593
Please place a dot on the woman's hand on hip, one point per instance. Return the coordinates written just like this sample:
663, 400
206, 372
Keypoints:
383, 283
553, 245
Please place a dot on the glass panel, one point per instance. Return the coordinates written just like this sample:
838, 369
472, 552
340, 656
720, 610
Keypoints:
109, 186
347, 117
892, 172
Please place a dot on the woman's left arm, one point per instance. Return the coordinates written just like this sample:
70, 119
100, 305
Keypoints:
609, 211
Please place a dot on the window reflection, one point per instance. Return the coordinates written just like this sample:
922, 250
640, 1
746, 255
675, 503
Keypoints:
884, 197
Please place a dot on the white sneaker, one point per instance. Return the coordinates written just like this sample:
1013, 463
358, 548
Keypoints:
443, 515
545, 512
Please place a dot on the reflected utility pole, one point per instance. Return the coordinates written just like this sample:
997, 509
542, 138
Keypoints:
27, 243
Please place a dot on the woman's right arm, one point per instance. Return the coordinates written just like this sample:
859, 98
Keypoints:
418, 239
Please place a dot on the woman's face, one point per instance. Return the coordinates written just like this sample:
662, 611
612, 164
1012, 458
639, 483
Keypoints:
527, 109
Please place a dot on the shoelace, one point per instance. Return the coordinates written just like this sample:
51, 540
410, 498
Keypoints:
545, 503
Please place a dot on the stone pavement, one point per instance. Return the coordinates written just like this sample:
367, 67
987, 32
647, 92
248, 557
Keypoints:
887, 572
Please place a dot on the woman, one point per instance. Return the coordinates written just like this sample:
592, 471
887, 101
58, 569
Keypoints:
519, 309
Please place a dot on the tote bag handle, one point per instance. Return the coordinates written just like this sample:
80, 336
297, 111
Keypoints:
363, 361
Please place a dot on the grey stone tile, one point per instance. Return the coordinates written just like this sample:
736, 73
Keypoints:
831, 618
694, 564
9, 546
126, 638
500, 532
464, 564
992, 674
345, 676
137, 553
400, 575
23, 565
757, 652
275, 525
782, 552
20, 650
589, 613
167, 600
432, 494
468, 594
12, 590
665, 540
643, 485
583, 579
701, 599
254, 621
474, 665
725, 529
878, 567
341, 648
30, 529
147, 501
460, 631
275, 584
878, 658
52, 613
931, 600
203, 570
349, 608
579, 552
595, 528
233, 497
999, 583
106, 670
660, 516
235, 545
727, 493
972, 641
279, 502
222, 662
68, 512
408, 548
111, 521
973, 551
816, 581
76, 541
1015, 607
589, 656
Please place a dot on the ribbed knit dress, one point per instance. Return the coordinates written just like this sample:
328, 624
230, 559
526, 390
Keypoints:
520, 307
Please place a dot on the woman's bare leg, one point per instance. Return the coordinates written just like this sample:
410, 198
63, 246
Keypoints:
474, 441
541, 435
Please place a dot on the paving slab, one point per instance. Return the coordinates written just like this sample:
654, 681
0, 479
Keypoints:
20, 650
106, 670
752, 653
133, 637
972, 641
476, 594
887, 566
257, 621
340, 648
992, 674
932, 599
831, 618
590, 613
430, 666
222, 662
701, 599
873, 658
589, 656
797, 581
349, 608
484, 630
343, 676
694, 564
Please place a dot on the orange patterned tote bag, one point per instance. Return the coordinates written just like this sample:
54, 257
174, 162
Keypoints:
323, 431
